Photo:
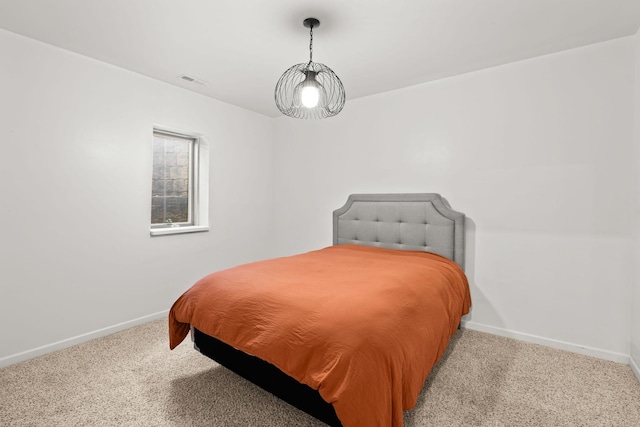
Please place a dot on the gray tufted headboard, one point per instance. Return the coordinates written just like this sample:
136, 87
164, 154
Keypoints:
419, 222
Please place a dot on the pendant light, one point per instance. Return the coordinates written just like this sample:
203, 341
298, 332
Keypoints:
310, 90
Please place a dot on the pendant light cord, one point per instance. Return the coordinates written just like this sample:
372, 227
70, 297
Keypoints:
311, 44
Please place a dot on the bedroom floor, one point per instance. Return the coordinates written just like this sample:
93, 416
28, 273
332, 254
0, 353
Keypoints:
131, 378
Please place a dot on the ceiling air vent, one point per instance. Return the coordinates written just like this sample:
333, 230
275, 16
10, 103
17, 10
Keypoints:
192, 80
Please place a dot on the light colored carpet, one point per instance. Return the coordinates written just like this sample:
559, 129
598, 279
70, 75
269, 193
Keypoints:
132, 379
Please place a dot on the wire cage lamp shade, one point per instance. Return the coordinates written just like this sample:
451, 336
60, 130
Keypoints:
310, 90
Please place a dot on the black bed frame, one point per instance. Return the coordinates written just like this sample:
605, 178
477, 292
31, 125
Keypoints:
268, 377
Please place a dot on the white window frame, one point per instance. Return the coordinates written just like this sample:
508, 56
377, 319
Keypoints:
198, 185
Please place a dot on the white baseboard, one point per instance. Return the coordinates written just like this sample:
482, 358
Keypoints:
59, 345
561, 345
575, 348
635, 367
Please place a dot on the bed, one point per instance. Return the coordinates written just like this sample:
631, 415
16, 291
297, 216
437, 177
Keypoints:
346, 333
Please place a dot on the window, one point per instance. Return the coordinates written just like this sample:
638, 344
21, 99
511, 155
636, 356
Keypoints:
175, 187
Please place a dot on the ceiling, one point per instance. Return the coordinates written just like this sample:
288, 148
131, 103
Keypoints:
240, 48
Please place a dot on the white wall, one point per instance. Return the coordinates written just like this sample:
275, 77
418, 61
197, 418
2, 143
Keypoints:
75, 251
537, 153
635, 337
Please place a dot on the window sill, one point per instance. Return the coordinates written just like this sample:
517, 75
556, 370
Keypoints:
178, 230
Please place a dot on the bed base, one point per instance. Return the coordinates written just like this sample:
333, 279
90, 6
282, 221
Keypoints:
268, 377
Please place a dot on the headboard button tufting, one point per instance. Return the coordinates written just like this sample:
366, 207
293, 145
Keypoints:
423, 217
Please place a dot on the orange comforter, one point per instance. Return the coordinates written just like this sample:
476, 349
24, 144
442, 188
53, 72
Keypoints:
362, 325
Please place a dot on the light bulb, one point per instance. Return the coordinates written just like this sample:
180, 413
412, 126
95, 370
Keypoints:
310, 96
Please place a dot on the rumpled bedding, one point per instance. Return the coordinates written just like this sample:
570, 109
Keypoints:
362, 325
